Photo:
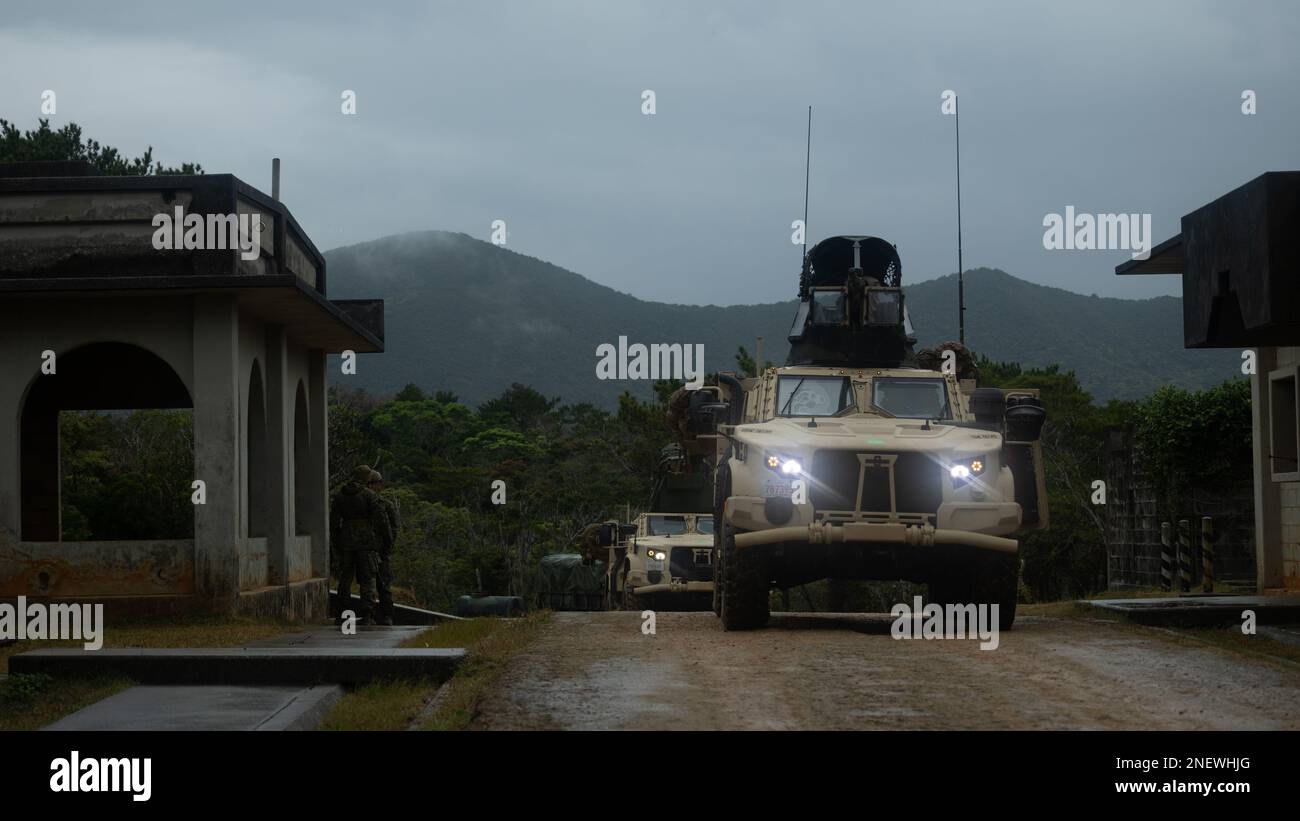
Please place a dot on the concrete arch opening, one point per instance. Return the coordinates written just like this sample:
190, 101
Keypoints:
302, 502
259, 488
102, 376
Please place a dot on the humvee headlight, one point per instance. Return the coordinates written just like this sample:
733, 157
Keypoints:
783, 465
962, 471
657, 554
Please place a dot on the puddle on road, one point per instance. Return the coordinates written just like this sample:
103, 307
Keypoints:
608, 694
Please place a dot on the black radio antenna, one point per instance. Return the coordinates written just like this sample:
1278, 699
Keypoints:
961, 282
807, 165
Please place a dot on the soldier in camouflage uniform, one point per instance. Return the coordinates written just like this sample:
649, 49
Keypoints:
359, 531
384, 578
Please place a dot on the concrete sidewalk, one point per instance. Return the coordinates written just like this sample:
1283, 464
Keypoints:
236, 707
1204, 610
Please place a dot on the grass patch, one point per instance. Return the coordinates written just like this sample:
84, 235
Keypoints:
1229, 639
1060, 609
1233, 640
28, 702
398, 705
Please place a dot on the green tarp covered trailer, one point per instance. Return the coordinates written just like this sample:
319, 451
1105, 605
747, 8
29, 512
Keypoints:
566, 583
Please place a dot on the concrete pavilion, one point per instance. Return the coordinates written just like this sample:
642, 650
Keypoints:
242, 342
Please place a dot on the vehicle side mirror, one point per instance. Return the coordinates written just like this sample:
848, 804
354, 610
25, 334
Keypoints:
1024, 417
627, 531
705, 412
989, 406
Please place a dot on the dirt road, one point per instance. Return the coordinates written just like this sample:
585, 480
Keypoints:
598, 671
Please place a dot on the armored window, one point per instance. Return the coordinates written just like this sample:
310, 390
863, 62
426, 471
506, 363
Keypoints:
911, 398
666, 525
813, 395
704, 524
884, 306
828, 307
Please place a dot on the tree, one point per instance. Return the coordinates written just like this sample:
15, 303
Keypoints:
67, 144
745, 362
410, 393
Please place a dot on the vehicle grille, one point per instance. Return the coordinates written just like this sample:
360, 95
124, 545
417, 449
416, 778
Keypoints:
918, 483
682, 564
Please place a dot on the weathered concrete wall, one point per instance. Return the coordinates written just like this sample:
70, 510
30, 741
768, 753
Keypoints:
215, 350
27, 327
317, 516
1286, 559
300, 568
280, 453
252, 563
218, 449
119, 568
307, 600
1277, 503
160, 325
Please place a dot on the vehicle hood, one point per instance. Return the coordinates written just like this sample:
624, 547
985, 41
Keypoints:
866, 432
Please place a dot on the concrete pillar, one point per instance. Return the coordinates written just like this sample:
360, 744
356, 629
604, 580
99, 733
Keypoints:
317, 516
279, 461
1268, 499
218, 448
42, 514
13, 382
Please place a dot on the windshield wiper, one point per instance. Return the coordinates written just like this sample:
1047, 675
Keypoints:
786, 406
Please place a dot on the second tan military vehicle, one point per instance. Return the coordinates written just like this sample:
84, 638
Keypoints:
665, 564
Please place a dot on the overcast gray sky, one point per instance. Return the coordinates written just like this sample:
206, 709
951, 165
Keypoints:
531, 113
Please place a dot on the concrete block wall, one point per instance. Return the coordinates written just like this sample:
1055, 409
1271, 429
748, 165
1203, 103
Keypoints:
218, 351
1277, 504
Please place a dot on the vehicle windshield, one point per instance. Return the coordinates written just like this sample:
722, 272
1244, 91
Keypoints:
813, 395
704, 524
911, 398
665, 525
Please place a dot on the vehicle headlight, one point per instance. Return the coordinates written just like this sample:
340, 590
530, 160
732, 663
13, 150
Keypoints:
784, 465
657, 554
963, 470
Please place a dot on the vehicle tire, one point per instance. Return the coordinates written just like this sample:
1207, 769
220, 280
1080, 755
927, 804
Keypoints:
997, 581
993, 579
745, 603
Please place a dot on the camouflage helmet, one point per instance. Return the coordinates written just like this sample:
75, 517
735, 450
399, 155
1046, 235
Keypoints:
361, 475
376, 476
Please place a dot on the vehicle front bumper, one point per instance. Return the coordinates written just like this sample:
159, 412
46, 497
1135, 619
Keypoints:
674, 587
956, 522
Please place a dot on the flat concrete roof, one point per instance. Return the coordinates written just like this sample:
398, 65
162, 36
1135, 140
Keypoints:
73, 235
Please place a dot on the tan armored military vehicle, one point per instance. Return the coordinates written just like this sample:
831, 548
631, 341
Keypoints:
665, 563
852, 463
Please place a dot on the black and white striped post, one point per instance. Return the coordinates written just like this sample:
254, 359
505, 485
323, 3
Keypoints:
1207, 554
1184, 555
1166, 557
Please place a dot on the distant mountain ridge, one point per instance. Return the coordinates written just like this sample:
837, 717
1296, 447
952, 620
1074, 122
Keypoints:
471, 317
